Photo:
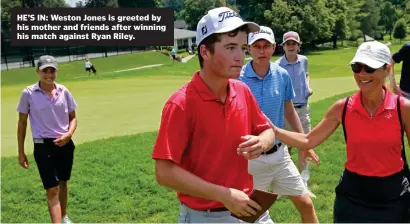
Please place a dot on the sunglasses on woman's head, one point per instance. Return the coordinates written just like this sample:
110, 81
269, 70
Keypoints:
357, 68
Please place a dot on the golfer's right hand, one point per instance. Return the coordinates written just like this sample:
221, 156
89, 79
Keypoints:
23, 160
239, 203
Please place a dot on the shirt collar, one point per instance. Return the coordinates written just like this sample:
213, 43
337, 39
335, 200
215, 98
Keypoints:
206, 94
285, 61
389, 102
250, 73
37, 87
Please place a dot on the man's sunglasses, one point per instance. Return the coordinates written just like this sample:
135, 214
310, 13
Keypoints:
357, 68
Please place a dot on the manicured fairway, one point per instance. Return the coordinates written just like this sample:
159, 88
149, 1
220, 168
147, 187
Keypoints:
113, 177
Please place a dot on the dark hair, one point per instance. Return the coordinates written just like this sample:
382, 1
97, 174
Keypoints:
210, 41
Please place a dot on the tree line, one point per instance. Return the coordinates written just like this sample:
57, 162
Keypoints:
317, 21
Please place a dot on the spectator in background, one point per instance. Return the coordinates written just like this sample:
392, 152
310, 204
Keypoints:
297, 67
89, 67
403, 55
174, 55
193, 47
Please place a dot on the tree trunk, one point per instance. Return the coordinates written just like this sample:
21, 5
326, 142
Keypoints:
31, 57
312, 44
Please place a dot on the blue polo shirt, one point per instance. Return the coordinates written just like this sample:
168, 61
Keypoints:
298, 72
271, 92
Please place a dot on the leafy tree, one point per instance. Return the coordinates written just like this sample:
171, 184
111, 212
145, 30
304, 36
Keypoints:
340, 27
54, 4
138, 3
79, 4
312, 20
407, 12
400, 29
354, 16
195, 9
403, 11
253, 10
388, 17
368, 23
101, 3
8, 5
176, 5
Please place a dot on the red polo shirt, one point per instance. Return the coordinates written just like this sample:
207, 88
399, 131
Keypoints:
202, 135
373, 143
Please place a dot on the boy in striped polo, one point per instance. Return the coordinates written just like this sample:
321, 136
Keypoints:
272, 87
297, 67
53, 121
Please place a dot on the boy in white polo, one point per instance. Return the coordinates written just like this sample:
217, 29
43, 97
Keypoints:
272, 87
53, 121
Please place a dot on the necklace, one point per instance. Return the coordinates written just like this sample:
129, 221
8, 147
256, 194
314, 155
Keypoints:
369, 111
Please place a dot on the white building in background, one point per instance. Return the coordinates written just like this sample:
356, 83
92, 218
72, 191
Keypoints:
183, 37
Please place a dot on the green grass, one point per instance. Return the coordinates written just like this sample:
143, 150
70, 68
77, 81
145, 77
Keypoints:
113, 175
70, 70
322, 64
130, 102
113, 180
134, 107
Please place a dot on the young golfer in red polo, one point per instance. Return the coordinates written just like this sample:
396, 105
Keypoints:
212, 126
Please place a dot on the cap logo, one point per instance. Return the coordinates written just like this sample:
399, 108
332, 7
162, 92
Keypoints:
261, 31
290, 35
204, 30
367, 49
48, 60
227, 14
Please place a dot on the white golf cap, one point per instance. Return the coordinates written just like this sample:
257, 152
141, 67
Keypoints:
265, 33
373, 54
220, 20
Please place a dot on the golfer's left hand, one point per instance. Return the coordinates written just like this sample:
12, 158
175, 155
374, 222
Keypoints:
252, 147
63, 140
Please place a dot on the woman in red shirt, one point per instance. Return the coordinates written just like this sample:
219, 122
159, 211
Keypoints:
374, 185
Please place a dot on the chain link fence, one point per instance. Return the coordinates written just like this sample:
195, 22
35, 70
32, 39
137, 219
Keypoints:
20, 57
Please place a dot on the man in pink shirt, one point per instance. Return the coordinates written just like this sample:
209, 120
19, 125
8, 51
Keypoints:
53, 121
